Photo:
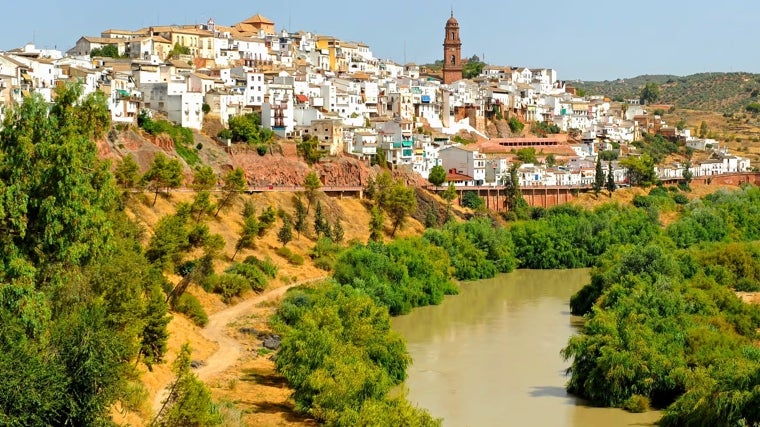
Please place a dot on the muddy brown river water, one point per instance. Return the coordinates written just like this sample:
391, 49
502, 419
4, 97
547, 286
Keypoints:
490, 356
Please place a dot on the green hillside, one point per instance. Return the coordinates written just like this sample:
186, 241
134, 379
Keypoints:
721, 92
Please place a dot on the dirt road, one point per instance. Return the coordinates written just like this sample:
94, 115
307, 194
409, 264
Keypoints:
230, 350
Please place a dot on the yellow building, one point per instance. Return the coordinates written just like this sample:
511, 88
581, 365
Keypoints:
334, 49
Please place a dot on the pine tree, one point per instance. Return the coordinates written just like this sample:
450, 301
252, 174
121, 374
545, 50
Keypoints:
202, 205
248, 235
610, 186
300, 222
234, 183
127, 172
598, 176
321, 227
189, 402
376, 224
155, 335
285, 235
337, 233
311, 184
164, 173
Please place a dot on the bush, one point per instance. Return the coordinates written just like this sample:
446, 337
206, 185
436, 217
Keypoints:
227, 285
472, 200
225, 134
192, 308
636, 403
325, 254
294, 259
680, 199
267, 266
642, 201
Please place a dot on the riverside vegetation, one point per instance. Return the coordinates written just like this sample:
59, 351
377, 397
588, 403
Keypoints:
82, 303
663, 325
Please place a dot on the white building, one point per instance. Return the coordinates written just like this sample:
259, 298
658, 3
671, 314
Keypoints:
464, 161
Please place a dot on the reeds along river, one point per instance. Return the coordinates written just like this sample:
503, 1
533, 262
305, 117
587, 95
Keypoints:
490, 356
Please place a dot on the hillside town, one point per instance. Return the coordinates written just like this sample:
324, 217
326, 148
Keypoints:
306, 85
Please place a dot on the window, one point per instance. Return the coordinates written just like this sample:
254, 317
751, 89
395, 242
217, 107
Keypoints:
453, 59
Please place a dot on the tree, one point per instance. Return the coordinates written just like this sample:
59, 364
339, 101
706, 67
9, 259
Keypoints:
376, 224
527, 155
107, 51
285, 235
610, 185
248, 235
309, 150
300, 222
598, 176
337, 235
202, 205
703, 130
449, 195
321, 226
177, 50
514, 198
550, 160
650, 93
127, 172
189, 401
687, 173
154, 334
204, 178
164, 173
515, 125
640, 170
437, 175
311, 184
471, 200
400, 203
54, 191
234, 183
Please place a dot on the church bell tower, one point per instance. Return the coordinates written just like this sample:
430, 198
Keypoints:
452, 52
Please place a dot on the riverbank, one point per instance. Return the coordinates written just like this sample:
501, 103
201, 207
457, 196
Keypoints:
252, 383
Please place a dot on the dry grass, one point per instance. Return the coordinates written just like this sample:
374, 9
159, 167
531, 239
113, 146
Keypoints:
252, 385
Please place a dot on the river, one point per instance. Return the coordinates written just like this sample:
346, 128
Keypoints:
490, 356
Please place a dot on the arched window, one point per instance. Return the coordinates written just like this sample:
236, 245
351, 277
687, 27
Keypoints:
452, 35
453, 60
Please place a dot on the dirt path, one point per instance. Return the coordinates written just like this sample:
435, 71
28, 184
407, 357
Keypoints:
230, 350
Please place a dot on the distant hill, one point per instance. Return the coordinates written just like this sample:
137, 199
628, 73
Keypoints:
720, 92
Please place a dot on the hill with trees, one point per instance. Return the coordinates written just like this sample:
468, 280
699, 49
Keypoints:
720, 92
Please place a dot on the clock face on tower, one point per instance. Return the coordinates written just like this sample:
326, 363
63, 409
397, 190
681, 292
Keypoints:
452, 52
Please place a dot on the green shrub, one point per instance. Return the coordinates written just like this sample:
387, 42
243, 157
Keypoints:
637, 403
471, 200
267, 266
680, 199
325, 253
642, 201
294, 259
227, 285
192, 308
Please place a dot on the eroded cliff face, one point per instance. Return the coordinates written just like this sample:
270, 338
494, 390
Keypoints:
281, 167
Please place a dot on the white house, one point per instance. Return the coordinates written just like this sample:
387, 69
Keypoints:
186, 109
465, 161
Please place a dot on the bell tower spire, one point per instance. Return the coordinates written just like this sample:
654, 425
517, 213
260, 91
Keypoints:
452, 51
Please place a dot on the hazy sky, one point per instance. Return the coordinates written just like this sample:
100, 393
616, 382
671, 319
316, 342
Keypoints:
581, 39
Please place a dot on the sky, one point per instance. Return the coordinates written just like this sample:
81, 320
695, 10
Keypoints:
581, 39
